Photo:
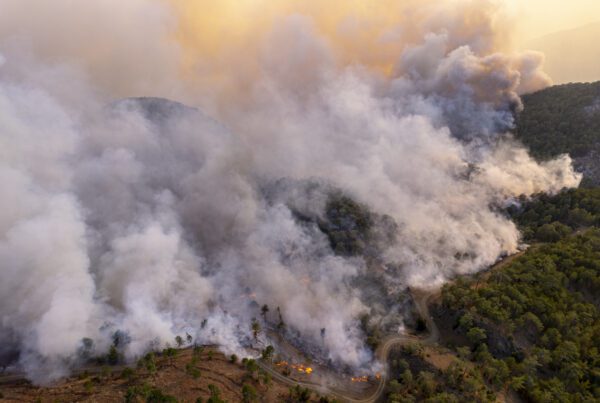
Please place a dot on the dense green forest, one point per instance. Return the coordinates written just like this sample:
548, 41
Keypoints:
543, 307
532, 325
548, 218
561, 119
415, 380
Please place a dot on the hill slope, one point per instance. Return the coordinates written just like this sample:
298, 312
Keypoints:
189, 375
564, 119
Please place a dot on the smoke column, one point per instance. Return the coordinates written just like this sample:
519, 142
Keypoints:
151, 219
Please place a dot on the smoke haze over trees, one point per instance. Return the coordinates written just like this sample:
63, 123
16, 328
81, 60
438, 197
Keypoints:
564, 119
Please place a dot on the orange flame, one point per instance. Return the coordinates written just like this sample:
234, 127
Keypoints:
363, 378
298, 367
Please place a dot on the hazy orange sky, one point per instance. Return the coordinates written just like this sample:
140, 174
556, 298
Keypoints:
570, 56
541, 17
567, 32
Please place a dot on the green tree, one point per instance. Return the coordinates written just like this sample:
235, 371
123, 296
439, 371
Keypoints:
300, 394
407, 378
127, 373
267, 353
148, 362
476, 335
215, 394
255, 327
266, 379
249, 393
426, 383
113, 356
192, 370
251, 366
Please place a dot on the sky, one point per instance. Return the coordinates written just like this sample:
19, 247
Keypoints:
541, 17
565, 32
354, 25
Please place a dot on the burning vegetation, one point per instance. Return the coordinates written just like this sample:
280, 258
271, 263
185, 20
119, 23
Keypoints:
365, 378
300, 368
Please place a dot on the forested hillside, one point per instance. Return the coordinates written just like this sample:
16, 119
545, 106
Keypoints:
534, 325
564, 119
531, 325
548, 218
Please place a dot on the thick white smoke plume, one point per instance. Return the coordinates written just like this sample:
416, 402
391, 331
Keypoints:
153, 219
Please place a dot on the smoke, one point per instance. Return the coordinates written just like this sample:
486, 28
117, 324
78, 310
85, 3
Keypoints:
148, 219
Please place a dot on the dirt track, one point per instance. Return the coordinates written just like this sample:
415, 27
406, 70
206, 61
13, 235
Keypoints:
422, 300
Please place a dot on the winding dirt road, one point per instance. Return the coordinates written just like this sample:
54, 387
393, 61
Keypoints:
422, 300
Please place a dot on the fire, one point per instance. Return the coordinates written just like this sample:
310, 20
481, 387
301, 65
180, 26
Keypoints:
303, 369
364, 378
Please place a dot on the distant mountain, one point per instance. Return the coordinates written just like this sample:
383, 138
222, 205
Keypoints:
572, 55
564, 119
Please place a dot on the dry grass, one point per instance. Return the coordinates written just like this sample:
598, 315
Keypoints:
171, 377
